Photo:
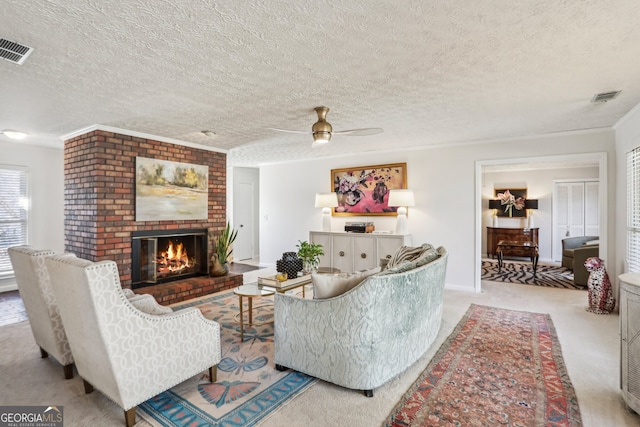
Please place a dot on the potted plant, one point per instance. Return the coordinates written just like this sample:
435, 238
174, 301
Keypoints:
310, 254
221, 251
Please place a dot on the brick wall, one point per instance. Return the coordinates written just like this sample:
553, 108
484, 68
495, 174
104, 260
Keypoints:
99, 191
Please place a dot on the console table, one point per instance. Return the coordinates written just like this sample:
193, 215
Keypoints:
495, 235
351, 252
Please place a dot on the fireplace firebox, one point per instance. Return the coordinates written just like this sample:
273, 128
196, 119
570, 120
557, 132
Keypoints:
162, 256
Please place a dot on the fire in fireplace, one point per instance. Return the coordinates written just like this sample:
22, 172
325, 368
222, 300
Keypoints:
163, 256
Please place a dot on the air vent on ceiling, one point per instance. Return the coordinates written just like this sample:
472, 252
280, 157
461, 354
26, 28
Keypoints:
14, 52
605, 96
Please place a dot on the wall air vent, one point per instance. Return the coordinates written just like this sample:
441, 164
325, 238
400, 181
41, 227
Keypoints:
14, 52
605, 96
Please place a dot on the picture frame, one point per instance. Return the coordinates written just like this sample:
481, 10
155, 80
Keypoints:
167, 190
364, 190
515, 208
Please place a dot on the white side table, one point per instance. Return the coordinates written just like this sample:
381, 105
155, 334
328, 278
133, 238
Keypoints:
250, 291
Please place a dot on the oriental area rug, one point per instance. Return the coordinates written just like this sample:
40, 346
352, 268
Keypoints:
522, 273
248, 386
498, 367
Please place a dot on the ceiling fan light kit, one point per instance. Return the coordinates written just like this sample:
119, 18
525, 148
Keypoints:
322, 129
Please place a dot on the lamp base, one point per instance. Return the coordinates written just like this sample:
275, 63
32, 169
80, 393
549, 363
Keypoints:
326, 219
401, 222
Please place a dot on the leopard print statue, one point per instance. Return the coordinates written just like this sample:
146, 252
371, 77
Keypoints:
601, 299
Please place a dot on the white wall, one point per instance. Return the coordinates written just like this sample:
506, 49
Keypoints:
46, 191
443, 179
539, 184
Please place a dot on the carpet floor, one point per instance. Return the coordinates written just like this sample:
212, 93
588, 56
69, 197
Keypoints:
522, 273
498, 367
248, 387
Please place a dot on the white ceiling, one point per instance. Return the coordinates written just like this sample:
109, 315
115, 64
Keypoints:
426, 72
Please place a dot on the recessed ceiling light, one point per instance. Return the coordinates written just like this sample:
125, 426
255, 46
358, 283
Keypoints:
14, 134
209, 133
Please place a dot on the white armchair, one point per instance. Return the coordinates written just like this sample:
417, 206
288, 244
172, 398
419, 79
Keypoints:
128, 355
40, 303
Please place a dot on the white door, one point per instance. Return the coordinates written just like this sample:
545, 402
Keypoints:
325, 241
244, 217
575, 212
364, 253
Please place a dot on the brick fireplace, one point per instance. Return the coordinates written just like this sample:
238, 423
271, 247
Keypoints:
99, 207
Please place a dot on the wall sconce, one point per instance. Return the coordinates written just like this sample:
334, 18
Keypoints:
326, 201
495, 205
530, 205
401, 199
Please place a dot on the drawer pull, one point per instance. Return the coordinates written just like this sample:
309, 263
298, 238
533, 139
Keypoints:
389, 256
363, 255
341, 253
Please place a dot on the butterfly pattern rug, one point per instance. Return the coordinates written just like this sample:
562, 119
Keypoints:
248, 387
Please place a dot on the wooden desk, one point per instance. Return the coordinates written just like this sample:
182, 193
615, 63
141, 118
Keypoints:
495, 234
530, 248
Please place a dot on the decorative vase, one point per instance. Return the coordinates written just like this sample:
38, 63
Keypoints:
290, 264
308, 267
216, 269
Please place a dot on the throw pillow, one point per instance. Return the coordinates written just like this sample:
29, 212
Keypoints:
408, 253
332, 285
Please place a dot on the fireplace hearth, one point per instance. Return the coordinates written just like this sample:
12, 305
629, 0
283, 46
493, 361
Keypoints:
162, 256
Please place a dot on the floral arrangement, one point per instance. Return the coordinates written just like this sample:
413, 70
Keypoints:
509, 201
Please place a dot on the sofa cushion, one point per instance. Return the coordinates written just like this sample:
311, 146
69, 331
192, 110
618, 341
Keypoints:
426, 257
332, 285
408, 253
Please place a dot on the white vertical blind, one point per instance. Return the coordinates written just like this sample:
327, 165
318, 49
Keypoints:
633, 210
13, 212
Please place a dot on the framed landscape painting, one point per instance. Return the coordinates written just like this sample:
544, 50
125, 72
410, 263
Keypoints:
364, 190
171, 190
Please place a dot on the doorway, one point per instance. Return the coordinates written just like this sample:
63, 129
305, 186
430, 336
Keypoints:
598, 160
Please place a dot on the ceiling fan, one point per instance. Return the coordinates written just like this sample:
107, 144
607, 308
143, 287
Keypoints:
322, 129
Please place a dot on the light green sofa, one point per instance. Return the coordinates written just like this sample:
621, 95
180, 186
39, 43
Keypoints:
366, 336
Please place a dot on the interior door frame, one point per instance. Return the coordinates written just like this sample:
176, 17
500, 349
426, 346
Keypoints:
599, 157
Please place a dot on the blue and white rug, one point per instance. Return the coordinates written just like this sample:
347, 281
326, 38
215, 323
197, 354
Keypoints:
248, 387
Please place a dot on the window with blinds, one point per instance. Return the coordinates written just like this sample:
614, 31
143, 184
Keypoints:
633, 210
13, 213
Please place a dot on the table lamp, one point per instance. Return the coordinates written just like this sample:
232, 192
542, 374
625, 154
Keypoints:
495, 205
401, 199
326, 201
530, 205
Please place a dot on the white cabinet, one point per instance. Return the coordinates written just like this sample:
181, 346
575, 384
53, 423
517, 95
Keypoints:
630, 339
351, 252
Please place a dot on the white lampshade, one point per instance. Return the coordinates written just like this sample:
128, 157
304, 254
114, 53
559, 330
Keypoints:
326, 200
401, 198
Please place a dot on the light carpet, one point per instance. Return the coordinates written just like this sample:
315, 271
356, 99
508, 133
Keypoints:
590, 346
522, 273
498, 367
248, 387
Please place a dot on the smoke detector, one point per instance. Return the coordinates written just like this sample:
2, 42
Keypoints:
14, 52
605, 96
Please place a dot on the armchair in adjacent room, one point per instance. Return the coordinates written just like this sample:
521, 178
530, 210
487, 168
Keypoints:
575, 251
127, 354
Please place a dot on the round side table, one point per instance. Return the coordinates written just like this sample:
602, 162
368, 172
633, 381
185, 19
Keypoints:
250, 291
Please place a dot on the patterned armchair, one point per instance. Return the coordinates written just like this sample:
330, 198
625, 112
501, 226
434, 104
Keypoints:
127, 354
39, 301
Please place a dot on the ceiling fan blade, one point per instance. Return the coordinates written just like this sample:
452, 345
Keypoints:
359, 132
291, 131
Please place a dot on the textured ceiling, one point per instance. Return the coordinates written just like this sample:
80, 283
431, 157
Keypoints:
426, 72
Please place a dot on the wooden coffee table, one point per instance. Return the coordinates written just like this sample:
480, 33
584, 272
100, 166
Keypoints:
250, 291
528, 249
